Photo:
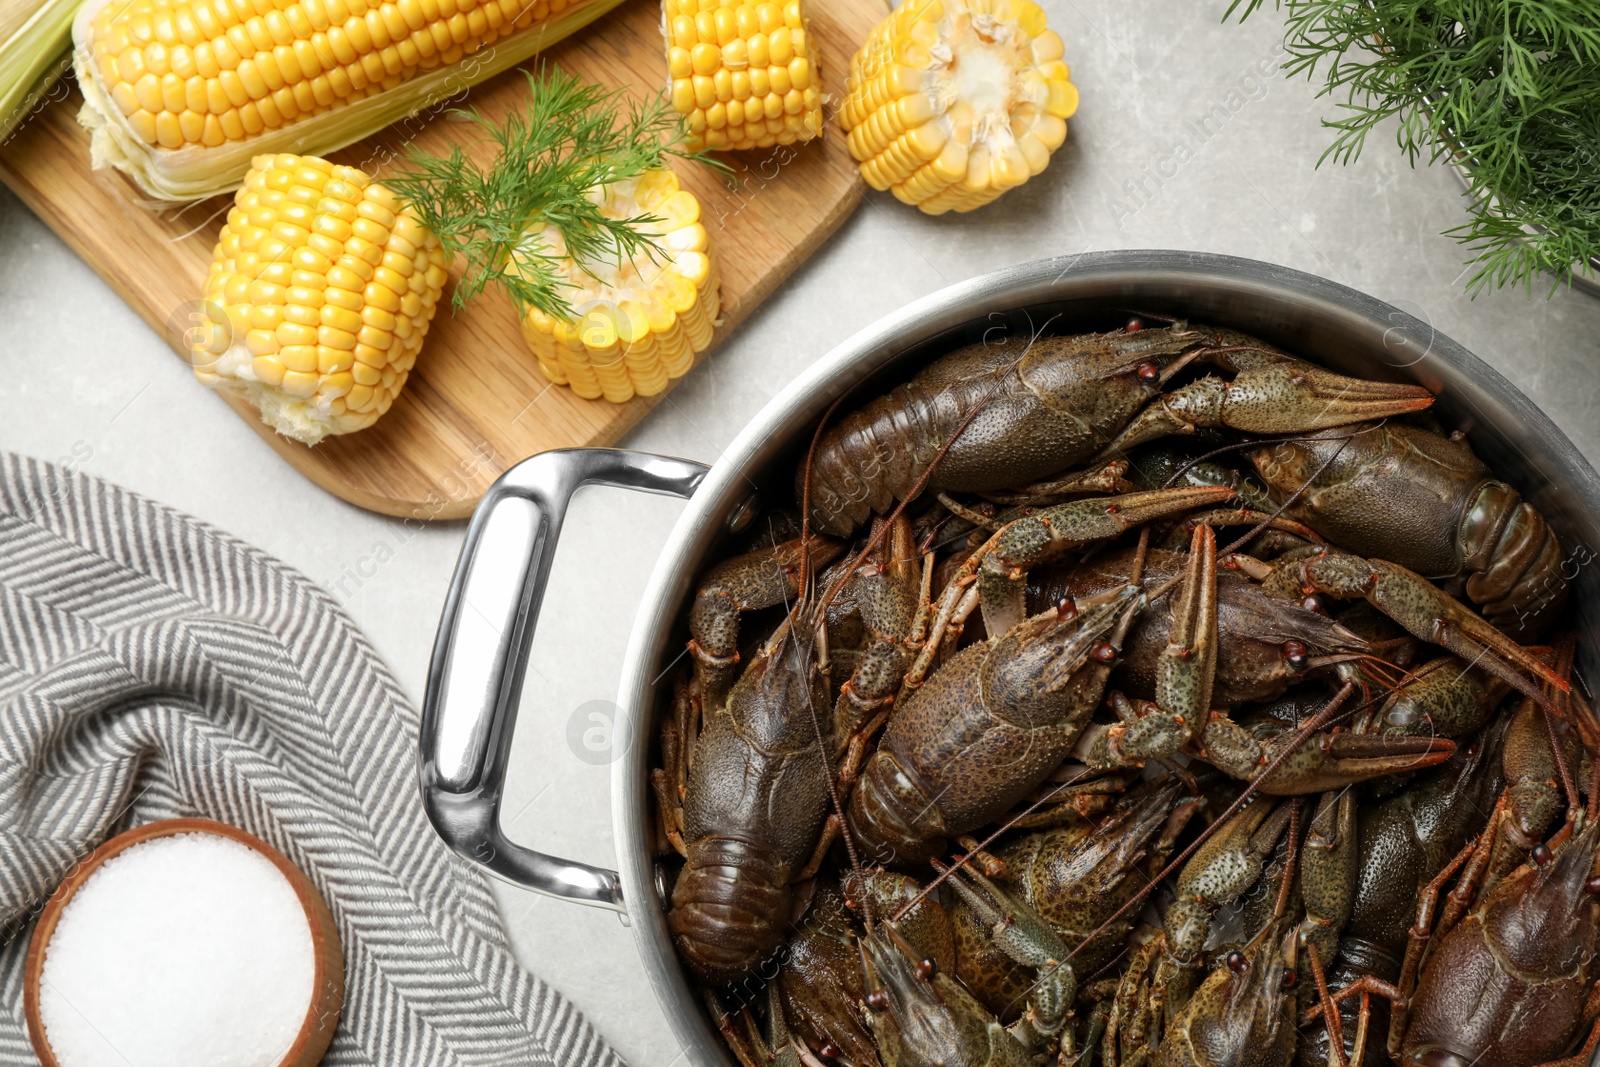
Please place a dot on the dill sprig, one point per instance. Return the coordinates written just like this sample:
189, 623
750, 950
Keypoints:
571, 137
1508, 88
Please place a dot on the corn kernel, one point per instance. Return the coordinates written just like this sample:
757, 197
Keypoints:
300, 384
780, 46
299, 357
267, 370
705, 58
260, 342
332, 360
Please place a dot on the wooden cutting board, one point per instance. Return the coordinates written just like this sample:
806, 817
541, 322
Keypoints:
476, 403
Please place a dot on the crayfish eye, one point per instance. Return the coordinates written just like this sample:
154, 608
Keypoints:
1237, 963
1133, 326
828, 1051
1592, 886
927, 970
1312, 603
1541, 855
1067, 609
878, 1000
1103, 651
1149, 372
1291, 978
1295, 653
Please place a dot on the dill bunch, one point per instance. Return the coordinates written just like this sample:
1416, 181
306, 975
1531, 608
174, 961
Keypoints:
1508, 88
570, 138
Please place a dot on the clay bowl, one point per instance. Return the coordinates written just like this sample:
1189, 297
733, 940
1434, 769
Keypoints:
327, 985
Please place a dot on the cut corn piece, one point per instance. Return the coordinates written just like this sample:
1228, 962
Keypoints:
743, 73
182, 94
637, 325
952, 102
319, 297
35, 36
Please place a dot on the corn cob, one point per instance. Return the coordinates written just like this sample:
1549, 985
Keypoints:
637, 324
742, 73
952, 102
182, 94
318, 300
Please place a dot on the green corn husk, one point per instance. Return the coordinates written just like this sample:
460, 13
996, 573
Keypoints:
196, 172
35, 38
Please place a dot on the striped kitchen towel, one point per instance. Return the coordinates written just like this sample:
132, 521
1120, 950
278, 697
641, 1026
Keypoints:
153, 667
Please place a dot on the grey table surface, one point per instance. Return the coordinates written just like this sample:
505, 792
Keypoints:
1189, 136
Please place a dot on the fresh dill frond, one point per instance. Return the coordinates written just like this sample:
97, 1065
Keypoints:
571, 137
1510, 89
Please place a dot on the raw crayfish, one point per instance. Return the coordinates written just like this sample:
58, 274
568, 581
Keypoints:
1424, 501
1012, 693
1009, 414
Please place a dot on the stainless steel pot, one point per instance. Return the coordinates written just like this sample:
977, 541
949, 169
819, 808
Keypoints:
478, 660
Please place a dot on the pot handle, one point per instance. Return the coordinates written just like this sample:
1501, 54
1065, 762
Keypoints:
481, 653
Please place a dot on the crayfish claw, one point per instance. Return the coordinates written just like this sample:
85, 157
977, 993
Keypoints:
1425, 610
1046, 534
1281, 395
1431, 614
1333, 761
1221, 870
1295, 397
759, 579
1023, 935
1317, 763
1186, 669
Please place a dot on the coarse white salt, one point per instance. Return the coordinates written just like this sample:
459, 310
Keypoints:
182, 951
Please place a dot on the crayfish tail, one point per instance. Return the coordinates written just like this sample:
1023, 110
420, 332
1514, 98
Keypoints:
730, 907
888, 815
